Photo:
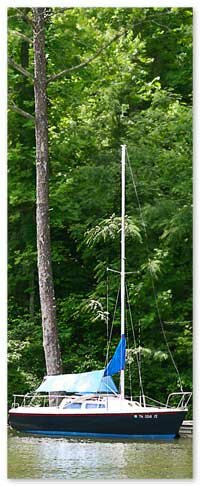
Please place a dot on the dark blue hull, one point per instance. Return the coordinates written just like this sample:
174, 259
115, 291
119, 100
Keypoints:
141, 425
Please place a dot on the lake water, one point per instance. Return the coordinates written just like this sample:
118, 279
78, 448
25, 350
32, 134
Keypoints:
31, 457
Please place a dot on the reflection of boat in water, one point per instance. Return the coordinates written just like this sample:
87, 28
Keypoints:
89, 404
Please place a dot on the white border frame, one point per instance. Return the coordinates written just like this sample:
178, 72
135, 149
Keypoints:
195, 4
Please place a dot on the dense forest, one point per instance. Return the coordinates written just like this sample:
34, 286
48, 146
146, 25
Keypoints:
124, 77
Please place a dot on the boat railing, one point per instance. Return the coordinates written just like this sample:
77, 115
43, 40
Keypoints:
30, 400
181, 398
144, 400
175, 399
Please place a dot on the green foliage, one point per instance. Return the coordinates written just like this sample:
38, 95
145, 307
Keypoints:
25, 351
109, 229
138, 92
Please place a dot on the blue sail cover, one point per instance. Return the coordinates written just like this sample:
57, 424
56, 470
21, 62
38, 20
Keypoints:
89, 382
117, 363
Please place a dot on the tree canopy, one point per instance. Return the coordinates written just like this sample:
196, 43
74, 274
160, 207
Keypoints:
115, 75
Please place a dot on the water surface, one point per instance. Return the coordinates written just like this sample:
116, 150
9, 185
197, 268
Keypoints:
33, 457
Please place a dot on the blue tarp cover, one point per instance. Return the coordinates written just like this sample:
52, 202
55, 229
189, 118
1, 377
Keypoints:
117, 363
89, 382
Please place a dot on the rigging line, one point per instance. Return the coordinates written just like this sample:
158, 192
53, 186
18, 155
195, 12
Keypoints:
107, 307
107, 324
151, 274
135, 345
139, 346
111, 329
164, 333
137, 197
129, 364
177, 322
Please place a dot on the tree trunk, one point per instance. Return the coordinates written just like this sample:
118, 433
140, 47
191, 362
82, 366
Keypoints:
32, 295
46, 287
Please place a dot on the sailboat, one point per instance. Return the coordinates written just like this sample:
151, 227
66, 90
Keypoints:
89, 404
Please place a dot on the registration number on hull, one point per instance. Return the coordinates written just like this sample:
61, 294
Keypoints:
146, 415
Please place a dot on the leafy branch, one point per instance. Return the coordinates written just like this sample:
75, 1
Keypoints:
21, 35
20, 69
109, 228
18, 110
87, 61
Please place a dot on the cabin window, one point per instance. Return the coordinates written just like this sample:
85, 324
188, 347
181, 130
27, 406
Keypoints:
94, 405
73, 405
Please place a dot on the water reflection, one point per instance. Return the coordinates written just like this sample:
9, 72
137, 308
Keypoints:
57, 458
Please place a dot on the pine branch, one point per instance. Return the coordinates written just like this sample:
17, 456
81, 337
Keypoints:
161, 25
99, 51
25, 114
19, 34
87, 61
19, 68
24, 16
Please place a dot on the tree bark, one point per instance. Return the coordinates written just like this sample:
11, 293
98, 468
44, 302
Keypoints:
46, 287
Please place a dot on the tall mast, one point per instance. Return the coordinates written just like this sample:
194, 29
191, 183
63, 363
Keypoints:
122, 258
